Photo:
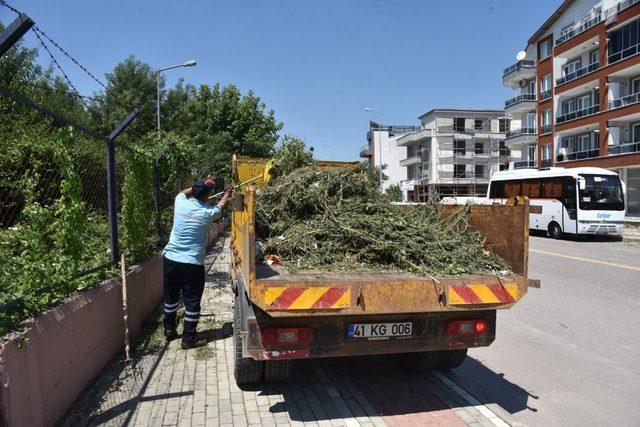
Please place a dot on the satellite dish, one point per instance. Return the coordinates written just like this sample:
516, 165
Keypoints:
521, 55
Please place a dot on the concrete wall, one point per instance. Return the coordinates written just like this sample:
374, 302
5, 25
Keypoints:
45, 368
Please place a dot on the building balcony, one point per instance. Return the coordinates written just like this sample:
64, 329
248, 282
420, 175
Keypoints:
634, 98
570, 156
578, 29
578, 73
413, 160
624, 53
624, 148
611, 14
544, 95
522, 164
521, 136
545, 129
578, 114
408, 184
414, 137
521, 70
545, 163
520, 103
365, 152
462, 178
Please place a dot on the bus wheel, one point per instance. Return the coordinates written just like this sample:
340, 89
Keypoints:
555, 231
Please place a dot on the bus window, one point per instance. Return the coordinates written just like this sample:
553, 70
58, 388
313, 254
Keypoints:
512, 188
552, 188
497, 190
569, 197
531, 188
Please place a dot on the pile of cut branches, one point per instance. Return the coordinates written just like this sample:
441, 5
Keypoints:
336, 219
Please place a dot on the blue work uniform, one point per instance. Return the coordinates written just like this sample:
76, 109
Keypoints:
183, 262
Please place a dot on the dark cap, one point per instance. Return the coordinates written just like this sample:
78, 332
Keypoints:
201, 187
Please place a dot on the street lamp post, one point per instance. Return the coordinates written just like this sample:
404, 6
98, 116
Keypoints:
190, 63
371, 110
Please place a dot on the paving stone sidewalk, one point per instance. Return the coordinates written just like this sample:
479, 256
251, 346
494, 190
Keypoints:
170, 386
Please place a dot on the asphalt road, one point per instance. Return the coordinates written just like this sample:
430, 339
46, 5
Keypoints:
569, 352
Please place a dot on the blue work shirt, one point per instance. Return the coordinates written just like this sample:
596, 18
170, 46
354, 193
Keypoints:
191, 220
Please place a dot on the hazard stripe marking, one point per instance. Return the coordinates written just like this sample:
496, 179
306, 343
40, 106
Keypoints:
329, 298
295, 298
477, 293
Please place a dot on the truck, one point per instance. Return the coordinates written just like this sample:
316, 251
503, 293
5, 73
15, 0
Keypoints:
427, 322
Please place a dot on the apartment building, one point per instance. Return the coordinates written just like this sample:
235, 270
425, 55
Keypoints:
577, 92
454, 152
381, 150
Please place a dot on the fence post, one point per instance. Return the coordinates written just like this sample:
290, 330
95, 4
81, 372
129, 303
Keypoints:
113, 204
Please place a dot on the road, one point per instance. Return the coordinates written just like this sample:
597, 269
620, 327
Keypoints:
568, 353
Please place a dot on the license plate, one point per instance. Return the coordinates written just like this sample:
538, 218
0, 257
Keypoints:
380, 330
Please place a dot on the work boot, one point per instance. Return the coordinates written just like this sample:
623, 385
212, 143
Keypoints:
193, 343
170, 334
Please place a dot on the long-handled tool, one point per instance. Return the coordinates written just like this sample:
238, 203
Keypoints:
266, 176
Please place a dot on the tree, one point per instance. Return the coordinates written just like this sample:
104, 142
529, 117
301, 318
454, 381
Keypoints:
395, 193
291, 154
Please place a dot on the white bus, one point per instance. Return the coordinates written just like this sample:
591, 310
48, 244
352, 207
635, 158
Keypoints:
575, 200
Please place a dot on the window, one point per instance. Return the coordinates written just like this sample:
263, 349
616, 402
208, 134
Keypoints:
545, 49
623, 41
503, 149
531, 188
584, 142
545, 83
546, 152
593, 56
531, 120
512, 188
546, 117
504, 125
458, 124
531, 153
571, 67
568, 106
569, 196
410, 151
459, 171
551, 188
479, 147
532, 86
459, 147
480, 171
583, 102
635, 85
568, 142
635, 132
566, 29
477, 124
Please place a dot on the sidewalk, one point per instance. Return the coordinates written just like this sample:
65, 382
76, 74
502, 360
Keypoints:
196, 387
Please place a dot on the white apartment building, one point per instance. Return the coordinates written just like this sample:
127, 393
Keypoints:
381, 150
454, 152
577, 92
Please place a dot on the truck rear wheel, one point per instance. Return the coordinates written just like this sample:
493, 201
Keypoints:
246, 370
420, 361
451, 359
278, 370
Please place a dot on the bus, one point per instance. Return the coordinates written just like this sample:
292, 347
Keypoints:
584, 200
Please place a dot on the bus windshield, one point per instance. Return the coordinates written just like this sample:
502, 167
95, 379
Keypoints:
602, 192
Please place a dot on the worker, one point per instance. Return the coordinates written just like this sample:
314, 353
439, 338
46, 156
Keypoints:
183, 258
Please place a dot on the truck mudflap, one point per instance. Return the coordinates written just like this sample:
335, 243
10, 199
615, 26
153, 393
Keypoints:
382, 294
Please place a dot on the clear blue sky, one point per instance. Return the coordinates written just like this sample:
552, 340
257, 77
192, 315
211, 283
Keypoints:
316, 63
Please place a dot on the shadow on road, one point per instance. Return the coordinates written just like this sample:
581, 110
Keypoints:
379, 386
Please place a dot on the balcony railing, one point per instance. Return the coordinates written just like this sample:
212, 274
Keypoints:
634, 98
578, 155
410, 160
620, 7
520, 98
365, 151
521, 131
518, 65
578, 114
578, 30
545, 95
578, 73
624, 53
624, 148
524, 164
545, 129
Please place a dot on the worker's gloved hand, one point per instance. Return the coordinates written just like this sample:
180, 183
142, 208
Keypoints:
229, 191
